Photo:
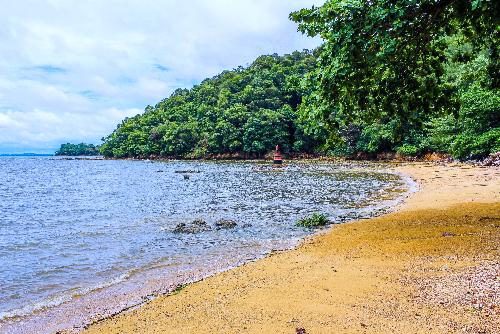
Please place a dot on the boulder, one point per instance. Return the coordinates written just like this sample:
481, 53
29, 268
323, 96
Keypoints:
195, 226
225, 224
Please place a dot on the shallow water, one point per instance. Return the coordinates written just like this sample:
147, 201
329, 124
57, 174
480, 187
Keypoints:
69, 228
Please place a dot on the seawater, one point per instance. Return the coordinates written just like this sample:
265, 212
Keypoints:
94, 228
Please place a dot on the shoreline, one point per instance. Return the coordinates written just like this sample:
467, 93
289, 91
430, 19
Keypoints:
433, 194
68, 312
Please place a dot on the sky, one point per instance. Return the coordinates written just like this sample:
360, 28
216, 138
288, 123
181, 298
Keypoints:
70, 71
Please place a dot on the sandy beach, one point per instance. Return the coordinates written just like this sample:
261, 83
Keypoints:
432, 266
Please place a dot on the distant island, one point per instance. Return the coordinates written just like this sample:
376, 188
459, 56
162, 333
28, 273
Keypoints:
69, 149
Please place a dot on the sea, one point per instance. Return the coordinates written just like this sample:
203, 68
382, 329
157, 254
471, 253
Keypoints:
85, 238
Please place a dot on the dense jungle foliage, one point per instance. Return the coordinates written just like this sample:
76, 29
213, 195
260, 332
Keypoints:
402, 76
246, 110
77, 149
406, 75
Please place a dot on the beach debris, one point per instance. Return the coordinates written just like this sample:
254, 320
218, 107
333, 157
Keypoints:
481, 219
195, 226
187, 171
448, 234
300, 330
475, 287
225, 224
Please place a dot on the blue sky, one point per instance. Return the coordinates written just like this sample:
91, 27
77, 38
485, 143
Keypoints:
71, 70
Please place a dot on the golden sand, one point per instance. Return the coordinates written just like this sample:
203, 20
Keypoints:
431, 267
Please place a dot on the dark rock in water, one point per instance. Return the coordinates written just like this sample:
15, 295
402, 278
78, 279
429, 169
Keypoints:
196, 226
188, 171
181, 228
186, 177
247, 225
225, 224
199, 222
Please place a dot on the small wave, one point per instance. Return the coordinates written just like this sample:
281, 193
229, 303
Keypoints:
59, 299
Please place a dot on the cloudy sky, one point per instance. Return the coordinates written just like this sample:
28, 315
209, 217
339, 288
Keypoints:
71, 70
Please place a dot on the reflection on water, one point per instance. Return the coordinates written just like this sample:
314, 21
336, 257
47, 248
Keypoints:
68, 227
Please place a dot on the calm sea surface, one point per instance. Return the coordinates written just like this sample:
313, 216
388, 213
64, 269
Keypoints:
69, 228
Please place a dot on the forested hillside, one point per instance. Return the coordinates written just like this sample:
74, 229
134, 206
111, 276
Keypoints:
404, 76
245, 111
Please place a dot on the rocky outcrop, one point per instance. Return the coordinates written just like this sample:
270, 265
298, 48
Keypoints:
195, 226
225, 224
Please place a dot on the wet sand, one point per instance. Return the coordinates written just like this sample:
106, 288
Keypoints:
430, 267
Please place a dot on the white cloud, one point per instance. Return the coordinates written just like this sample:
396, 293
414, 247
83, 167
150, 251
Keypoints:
71, 70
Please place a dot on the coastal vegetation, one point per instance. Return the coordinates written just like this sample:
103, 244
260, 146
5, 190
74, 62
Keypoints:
78, 149
407, 77
315, 220
246, 111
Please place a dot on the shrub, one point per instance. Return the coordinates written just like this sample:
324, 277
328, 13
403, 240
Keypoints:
315, 220
476, 146
408, 150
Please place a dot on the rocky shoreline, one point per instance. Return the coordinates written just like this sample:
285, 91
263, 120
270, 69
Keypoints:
491, 160
423, 269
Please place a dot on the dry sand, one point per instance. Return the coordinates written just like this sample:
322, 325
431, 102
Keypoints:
431, 267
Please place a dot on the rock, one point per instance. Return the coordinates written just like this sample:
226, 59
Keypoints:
182, 228
196, 226
448, 234
200, 222
492, 160
225, 224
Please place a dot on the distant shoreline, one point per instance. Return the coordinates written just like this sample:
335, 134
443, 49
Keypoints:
26, 155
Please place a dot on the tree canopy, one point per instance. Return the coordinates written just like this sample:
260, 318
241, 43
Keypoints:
402, 76
77, 149
388, 67
387, 57
244, 111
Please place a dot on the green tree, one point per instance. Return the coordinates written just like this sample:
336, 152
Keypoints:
386, 57
77, 149
407, 76
246, 110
